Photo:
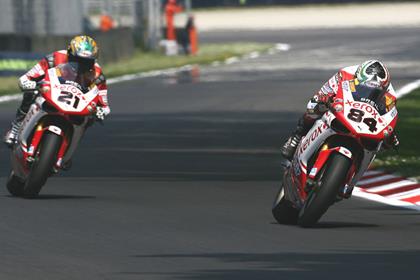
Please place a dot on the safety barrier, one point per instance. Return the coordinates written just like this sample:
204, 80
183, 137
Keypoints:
218, 3
17, 50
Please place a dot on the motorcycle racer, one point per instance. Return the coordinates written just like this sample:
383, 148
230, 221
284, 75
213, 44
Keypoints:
83, 52
371, 73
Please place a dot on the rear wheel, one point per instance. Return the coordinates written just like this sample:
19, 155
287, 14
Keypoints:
14, 185
283, 211
325, 193
43, 165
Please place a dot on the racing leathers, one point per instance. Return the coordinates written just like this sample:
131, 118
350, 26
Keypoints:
316, 107
28, 83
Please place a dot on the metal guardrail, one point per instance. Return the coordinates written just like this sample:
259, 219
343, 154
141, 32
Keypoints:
218, 3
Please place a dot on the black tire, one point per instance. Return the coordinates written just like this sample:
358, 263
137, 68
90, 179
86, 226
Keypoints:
14, 185
43, 165
323, 196
283, 210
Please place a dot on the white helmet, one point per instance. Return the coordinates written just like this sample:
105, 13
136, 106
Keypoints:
373, 73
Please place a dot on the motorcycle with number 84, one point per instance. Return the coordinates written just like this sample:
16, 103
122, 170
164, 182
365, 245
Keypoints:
334, 154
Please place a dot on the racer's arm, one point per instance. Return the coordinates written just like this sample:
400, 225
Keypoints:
104, 110
316, 105
28, 80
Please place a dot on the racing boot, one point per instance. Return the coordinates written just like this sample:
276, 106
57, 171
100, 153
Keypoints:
289, 148
12, 135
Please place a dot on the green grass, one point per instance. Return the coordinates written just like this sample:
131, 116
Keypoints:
147, 61
407, 161
8, 85
208, 53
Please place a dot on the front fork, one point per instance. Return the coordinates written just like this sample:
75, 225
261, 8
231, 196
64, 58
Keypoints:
36, 139
319, 164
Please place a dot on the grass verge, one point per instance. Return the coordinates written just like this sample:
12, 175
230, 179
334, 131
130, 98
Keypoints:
147, 61
407, 161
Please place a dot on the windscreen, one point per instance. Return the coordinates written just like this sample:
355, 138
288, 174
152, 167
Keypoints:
69, 72
371, 95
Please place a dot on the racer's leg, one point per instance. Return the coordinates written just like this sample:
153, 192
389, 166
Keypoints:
12, 134
304, 125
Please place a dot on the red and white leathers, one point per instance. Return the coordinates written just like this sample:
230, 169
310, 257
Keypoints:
314, 108
27, 81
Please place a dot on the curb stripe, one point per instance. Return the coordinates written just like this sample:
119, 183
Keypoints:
383, 182
415, 199
398, 190
407, 194
390, 186
372, 172
365, 177
371, 181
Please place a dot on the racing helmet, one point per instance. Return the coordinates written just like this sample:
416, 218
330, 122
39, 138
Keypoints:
83, 50
373, 73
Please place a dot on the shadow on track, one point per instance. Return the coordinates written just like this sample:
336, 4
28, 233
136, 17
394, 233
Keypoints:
333, 224
294, 265
228, 146
57, 196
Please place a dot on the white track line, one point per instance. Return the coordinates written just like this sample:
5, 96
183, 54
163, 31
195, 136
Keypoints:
169, 71
10, 97
373, 172
408, 88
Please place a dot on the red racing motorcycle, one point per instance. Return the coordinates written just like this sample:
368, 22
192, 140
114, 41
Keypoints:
334, 154
52, 128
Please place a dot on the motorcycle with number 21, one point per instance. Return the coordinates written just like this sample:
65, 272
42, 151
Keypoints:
334, 154
52, 129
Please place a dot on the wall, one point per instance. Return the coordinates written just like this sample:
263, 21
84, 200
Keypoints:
113, 45
214, 3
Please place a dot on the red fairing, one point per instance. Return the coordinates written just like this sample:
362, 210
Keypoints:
60, 57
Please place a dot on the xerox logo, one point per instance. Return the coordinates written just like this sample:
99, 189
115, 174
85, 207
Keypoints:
308, 140
363, 106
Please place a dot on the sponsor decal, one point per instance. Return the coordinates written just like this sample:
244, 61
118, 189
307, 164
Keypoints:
363, 106
32, 111
394, 112
345, 86
74, 84
310, 138
345, 152
352, 86
55, 129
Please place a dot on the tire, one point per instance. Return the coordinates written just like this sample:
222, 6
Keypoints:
14, 185
42, 167
283, 211
323, 196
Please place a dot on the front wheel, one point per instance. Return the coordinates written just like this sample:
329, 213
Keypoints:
325, 193
43, 165
283, 211
14, 185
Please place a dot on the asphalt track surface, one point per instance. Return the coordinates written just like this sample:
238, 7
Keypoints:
179, 182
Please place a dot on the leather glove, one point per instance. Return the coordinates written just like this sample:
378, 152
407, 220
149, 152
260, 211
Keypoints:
100, 114
26, 84
322, 101
392, 142
322, 98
